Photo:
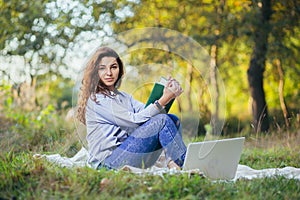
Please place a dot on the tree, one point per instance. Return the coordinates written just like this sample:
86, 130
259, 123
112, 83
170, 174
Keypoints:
207, 22
283, 51
42, 33
257, 66
277, 21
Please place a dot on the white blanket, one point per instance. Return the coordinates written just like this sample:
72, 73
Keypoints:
243, 171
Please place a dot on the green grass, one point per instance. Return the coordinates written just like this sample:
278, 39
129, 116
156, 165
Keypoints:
22, 177
26, 178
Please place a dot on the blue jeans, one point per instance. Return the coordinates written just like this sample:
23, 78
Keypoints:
143, 147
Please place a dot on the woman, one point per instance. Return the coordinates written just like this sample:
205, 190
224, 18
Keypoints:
120, 130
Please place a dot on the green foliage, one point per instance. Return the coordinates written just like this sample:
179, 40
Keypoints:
55, 89
35, 25
36, 130
45, 32
231, 26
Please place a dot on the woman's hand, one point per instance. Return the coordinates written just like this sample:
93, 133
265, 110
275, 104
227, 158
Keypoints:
171, 91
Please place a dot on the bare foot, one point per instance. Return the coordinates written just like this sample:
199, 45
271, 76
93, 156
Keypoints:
172, 164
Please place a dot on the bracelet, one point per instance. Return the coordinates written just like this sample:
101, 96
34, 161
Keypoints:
158, 105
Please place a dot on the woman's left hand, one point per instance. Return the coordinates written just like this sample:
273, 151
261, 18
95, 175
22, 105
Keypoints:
174, 86
171, 91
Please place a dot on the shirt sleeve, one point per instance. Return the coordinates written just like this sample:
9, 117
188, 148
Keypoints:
125, 112
136, 105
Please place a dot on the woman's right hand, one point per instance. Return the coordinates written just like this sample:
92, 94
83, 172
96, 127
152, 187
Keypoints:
171, 91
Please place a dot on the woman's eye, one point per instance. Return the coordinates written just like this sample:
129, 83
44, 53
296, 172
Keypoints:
101, 68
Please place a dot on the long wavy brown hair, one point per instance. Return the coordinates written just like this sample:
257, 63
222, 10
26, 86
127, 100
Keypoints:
91, 83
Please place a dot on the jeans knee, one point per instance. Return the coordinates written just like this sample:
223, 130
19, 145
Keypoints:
169, 119
175, 119
152, 127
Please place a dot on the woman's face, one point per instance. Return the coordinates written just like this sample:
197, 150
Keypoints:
108, 71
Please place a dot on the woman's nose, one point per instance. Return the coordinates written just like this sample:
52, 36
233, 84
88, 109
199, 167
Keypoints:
108, 71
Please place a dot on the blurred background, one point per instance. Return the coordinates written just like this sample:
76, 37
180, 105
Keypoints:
252, 46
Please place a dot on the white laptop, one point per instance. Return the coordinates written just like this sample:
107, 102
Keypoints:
217, 159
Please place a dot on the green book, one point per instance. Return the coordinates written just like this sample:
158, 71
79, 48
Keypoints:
157, 92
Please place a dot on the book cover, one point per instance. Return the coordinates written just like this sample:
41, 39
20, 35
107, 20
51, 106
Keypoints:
157, 92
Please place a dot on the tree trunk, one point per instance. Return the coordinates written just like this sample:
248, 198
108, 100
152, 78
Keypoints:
257, 68
215, 89
216, 126
280, 92
188, 86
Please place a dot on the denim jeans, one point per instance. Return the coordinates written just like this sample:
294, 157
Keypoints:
143, 147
